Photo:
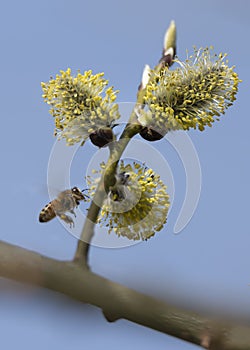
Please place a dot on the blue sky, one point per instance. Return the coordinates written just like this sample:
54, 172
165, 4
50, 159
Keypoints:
208, 262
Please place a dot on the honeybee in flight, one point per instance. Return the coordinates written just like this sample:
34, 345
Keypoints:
66, 201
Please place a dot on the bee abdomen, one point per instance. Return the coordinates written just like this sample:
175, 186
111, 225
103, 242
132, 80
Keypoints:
47, 213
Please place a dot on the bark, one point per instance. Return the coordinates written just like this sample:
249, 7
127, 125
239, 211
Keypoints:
116, 301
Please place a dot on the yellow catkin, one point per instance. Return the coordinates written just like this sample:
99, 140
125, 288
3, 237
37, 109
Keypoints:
190, 96
137, 209
80, 104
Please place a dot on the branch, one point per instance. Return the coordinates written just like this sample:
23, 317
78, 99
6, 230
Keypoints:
117, 301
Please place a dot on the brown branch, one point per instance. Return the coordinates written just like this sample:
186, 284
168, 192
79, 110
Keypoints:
117, 301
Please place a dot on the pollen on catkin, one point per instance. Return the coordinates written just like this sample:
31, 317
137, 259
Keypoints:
80, 104
191, 96
137, 206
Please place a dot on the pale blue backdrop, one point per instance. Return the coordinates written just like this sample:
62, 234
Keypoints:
206, 264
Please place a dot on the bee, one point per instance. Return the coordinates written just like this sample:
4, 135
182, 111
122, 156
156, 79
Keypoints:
66, 201
118, 192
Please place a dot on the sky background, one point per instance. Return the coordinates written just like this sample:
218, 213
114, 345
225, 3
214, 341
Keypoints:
208, 262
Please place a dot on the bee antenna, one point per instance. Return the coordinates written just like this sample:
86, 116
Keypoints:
85, 189
114, 125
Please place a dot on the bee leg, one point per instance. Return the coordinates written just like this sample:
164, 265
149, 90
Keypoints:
67, 219
72, 212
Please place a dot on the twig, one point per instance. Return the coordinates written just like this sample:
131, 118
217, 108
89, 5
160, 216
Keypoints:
83, 245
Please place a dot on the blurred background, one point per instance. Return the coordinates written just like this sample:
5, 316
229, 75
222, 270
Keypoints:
206, 266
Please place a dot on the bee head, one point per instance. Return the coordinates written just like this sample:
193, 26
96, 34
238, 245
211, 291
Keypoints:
122, 178
77, 194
